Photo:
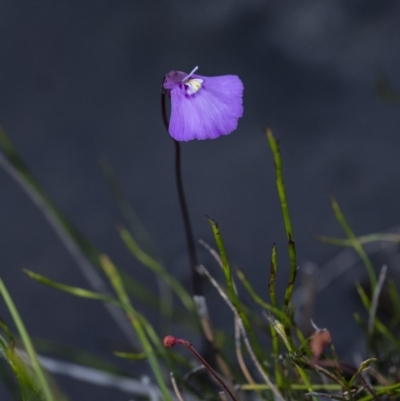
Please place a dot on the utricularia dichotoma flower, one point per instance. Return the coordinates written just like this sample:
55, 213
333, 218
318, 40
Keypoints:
203, 107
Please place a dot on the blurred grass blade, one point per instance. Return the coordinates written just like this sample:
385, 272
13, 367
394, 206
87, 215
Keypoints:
136, 320
157, 268
135, 226
364, 365
83, 293
101, 379
76, 291
286, 218
155, 339
143, 242
27, 383
395, 302
37, 369
85, 255
375, 299
363, 296
363, 239
17, 168
139, 291
378, 325
133, 356
356, 244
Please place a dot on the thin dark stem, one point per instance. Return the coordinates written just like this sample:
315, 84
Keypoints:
196, 278
164, 109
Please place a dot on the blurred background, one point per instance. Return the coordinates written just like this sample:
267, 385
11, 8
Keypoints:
80, 82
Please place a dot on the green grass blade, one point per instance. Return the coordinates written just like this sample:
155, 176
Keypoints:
281, 332
140, 292
157, 268
28, 384
135, 225
364, 365
272, 277
275, 340
44, 386
76, 291
155, 339
133, 356
224, 260
136, 321
273, 143
286, 218
271, 308
258, 300
83, 293
363, 296
232, 293
356, 244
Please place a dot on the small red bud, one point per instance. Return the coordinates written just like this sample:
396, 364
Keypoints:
169, 341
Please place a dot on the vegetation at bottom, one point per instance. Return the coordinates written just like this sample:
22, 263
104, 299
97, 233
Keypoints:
266, 355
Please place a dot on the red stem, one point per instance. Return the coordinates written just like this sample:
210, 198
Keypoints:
170, 341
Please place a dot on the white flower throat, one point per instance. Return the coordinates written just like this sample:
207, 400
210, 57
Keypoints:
192, 85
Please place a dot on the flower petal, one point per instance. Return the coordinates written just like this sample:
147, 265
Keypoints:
210, 112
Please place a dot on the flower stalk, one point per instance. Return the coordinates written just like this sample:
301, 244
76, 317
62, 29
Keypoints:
170, 341
201, 108
196, 280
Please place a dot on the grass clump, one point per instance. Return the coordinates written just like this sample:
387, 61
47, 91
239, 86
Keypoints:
295, 366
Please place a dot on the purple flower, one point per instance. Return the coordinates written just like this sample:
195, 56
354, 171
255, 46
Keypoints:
203, 107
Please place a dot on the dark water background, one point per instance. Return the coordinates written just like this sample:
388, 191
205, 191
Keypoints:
80, 80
